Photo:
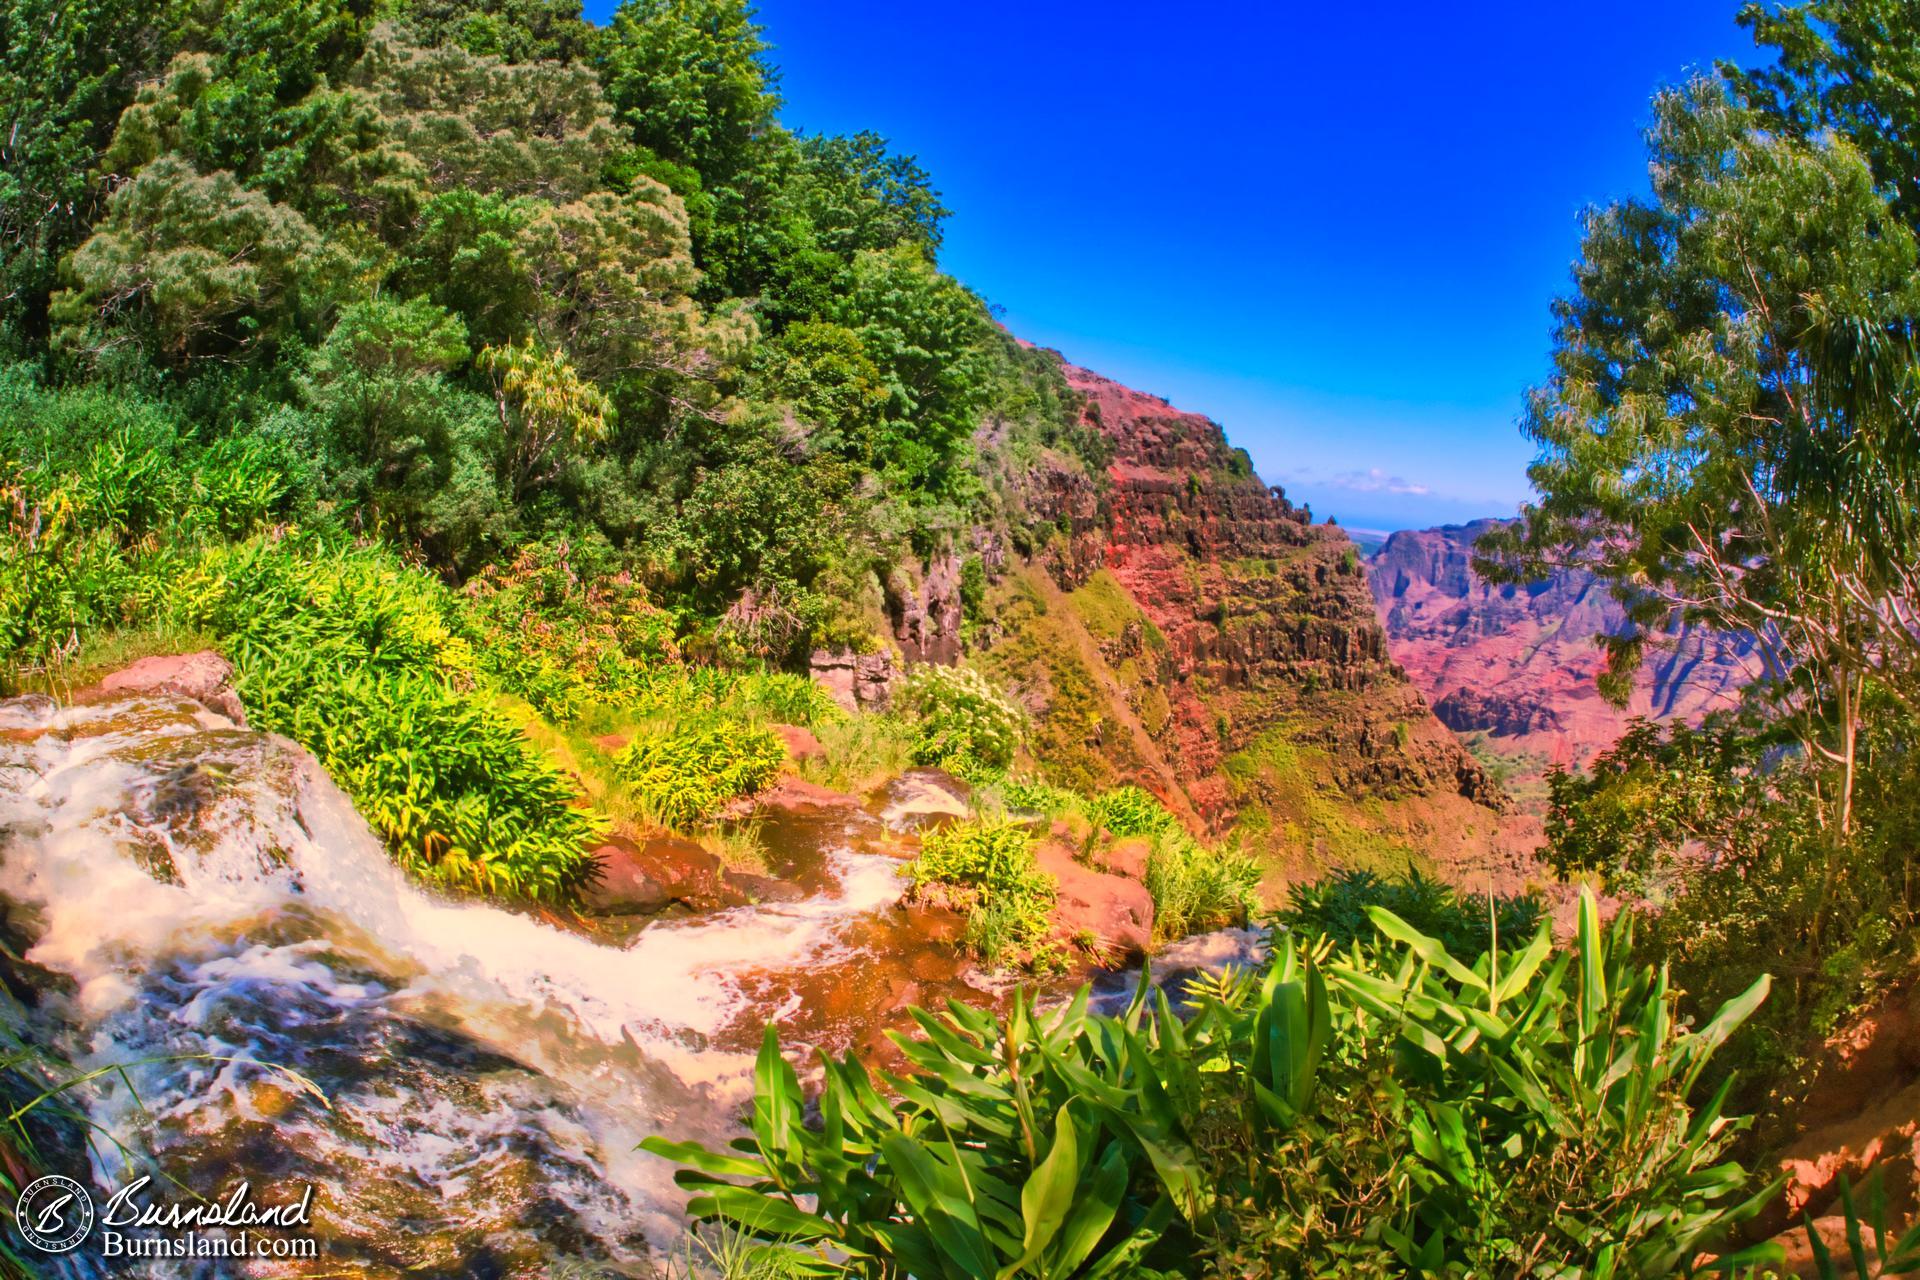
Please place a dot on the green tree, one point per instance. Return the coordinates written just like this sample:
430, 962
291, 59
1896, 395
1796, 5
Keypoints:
66, 72
688, 78
1849, 66
927, 334
195, 265
1728, 432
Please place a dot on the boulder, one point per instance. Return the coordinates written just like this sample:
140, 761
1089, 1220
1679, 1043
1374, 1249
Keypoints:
205, 677
922, 798
1114, 909
1126, 857
801, 744
612, 743
639, 879
797, 793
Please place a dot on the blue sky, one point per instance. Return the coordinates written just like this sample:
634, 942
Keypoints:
1334, 228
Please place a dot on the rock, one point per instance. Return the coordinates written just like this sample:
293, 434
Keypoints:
856, 681
1114, 909
764, 888
1126, 857
797, 793
801, 744
923, 797
639, 879
927, 614
612, 743
205, 677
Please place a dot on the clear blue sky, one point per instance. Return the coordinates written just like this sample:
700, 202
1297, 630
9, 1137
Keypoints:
1335, 228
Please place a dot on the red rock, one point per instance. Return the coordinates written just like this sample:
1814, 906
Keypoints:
206, 677
1114, 909
612, 743
797, 793
1519, 665
1127, 857
638, 879
801, 744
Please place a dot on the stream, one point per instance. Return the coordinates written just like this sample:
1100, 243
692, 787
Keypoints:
487, 1074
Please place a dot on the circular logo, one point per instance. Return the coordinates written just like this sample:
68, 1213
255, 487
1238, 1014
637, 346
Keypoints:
54, 1214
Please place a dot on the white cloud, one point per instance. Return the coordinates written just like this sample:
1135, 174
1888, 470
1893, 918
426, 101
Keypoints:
1374, 480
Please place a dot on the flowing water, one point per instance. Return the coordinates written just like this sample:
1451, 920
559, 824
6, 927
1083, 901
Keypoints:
487, 1074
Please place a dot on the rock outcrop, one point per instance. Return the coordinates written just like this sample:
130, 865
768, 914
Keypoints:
205, 677
1518, 663
1184, 626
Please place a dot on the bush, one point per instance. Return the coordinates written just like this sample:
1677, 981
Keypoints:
964, 723
1340, 906
1130, 811
351, 654
684, 776
1398, 1113
1038, 797
1009, 899
1195, 887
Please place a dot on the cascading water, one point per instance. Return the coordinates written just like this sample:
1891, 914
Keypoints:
487, 1075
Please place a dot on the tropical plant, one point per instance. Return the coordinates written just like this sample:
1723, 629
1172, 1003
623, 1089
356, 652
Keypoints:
1130, 811
1392, 1111
1197, 886
963, 721
686, 774
1008, 899
1339, 907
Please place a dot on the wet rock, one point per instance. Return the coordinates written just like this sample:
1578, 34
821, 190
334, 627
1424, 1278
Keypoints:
206, 677
765, 888
640, 879
797, 793
1114, 909
800, 743
922, 798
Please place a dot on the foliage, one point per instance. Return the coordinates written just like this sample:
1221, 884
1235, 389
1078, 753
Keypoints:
1727, 436
1340, 907
1130, 811
1728, 849
1197, 886
351, 654
962, 720
1009, 900
686, 774
1395, 1111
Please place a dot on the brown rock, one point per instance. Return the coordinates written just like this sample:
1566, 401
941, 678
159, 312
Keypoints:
639, 879
801, 744
857, 681
1127, 857
612, 743
797, 793
206, 677
1114, 909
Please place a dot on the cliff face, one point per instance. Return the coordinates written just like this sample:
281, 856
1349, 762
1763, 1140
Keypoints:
1190, 629
1518, 663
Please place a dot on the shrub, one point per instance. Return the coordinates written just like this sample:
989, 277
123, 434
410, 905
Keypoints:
1340, 906
1038, 797
684, 776
1009, 899
1195, 887
351, 654
1130, 811
1400, 1112
963, 722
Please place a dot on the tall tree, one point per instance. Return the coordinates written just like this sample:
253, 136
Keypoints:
1730, 429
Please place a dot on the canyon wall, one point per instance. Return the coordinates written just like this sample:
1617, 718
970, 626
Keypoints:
1517, 663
